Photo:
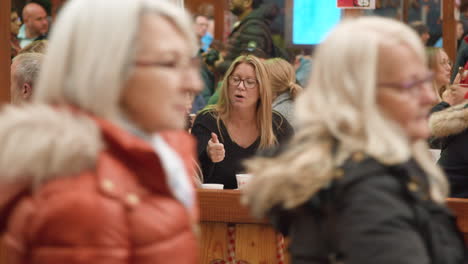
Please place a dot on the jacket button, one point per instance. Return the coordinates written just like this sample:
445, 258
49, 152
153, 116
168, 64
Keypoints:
132, 199
358, 157
412, 186
338, 173
107, 185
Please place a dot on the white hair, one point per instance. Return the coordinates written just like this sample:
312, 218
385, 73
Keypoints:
340, 106
92, 47
179, 3
27, 68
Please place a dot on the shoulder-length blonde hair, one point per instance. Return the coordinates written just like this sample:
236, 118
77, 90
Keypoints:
433, 56
339, 109
92, 49
282, 77
223, 108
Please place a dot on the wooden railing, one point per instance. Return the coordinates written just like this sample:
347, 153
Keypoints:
223, 216
229, 233
460, 209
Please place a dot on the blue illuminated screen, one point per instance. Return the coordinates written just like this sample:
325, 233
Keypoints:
312, 20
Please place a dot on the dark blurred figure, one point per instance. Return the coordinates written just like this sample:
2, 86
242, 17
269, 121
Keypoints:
459, 31
422, 30
462, 54
15, 23
252, 33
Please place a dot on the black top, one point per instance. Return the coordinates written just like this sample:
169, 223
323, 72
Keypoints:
224, 172
373, 214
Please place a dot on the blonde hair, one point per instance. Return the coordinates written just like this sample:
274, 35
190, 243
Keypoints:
92, 48
282, 77
338, 115
264, 114
433, 54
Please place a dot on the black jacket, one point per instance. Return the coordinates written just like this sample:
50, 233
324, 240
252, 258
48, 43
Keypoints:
450, 127
374, 214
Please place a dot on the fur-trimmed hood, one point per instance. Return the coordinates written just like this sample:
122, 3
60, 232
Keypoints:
449, 122
39, 142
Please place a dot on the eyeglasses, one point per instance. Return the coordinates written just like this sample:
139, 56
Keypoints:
15, 19
412, 87
446, 62
249, 83
176, 64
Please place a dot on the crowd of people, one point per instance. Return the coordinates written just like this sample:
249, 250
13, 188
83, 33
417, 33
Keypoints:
103, 146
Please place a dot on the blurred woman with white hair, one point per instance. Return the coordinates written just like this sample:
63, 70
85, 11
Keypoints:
98, 170
357, 183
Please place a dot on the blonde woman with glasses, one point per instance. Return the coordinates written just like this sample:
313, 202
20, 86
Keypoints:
240, 123
98, 170
357, 184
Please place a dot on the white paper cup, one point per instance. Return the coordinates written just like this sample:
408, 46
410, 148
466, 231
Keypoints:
214, 186
243, 179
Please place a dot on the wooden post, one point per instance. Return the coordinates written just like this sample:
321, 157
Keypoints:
405, 10
449, 28
350, 13
5, 61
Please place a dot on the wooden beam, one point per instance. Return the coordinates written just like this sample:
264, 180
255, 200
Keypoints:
5, 59
350, 13
220, 6
449, 28
405, 6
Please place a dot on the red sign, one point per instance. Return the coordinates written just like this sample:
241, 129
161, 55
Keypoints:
361, 4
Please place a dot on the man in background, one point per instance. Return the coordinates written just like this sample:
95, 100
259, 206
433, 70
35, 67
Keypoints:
422, 30
251, 34
24, 72
35, 25
201, 29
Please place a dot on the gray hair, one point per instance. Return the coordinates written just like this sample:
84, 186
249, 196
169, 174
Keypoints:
91, 50
27, 68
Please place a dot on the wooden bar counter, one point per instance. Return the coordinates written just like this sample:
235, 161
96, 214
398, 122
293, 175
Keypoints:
229, 234
224, 220
459, 207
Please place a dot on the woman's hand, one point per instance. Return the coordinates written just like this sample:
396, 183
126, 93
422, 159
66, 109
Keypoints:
215, 150
455, 94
